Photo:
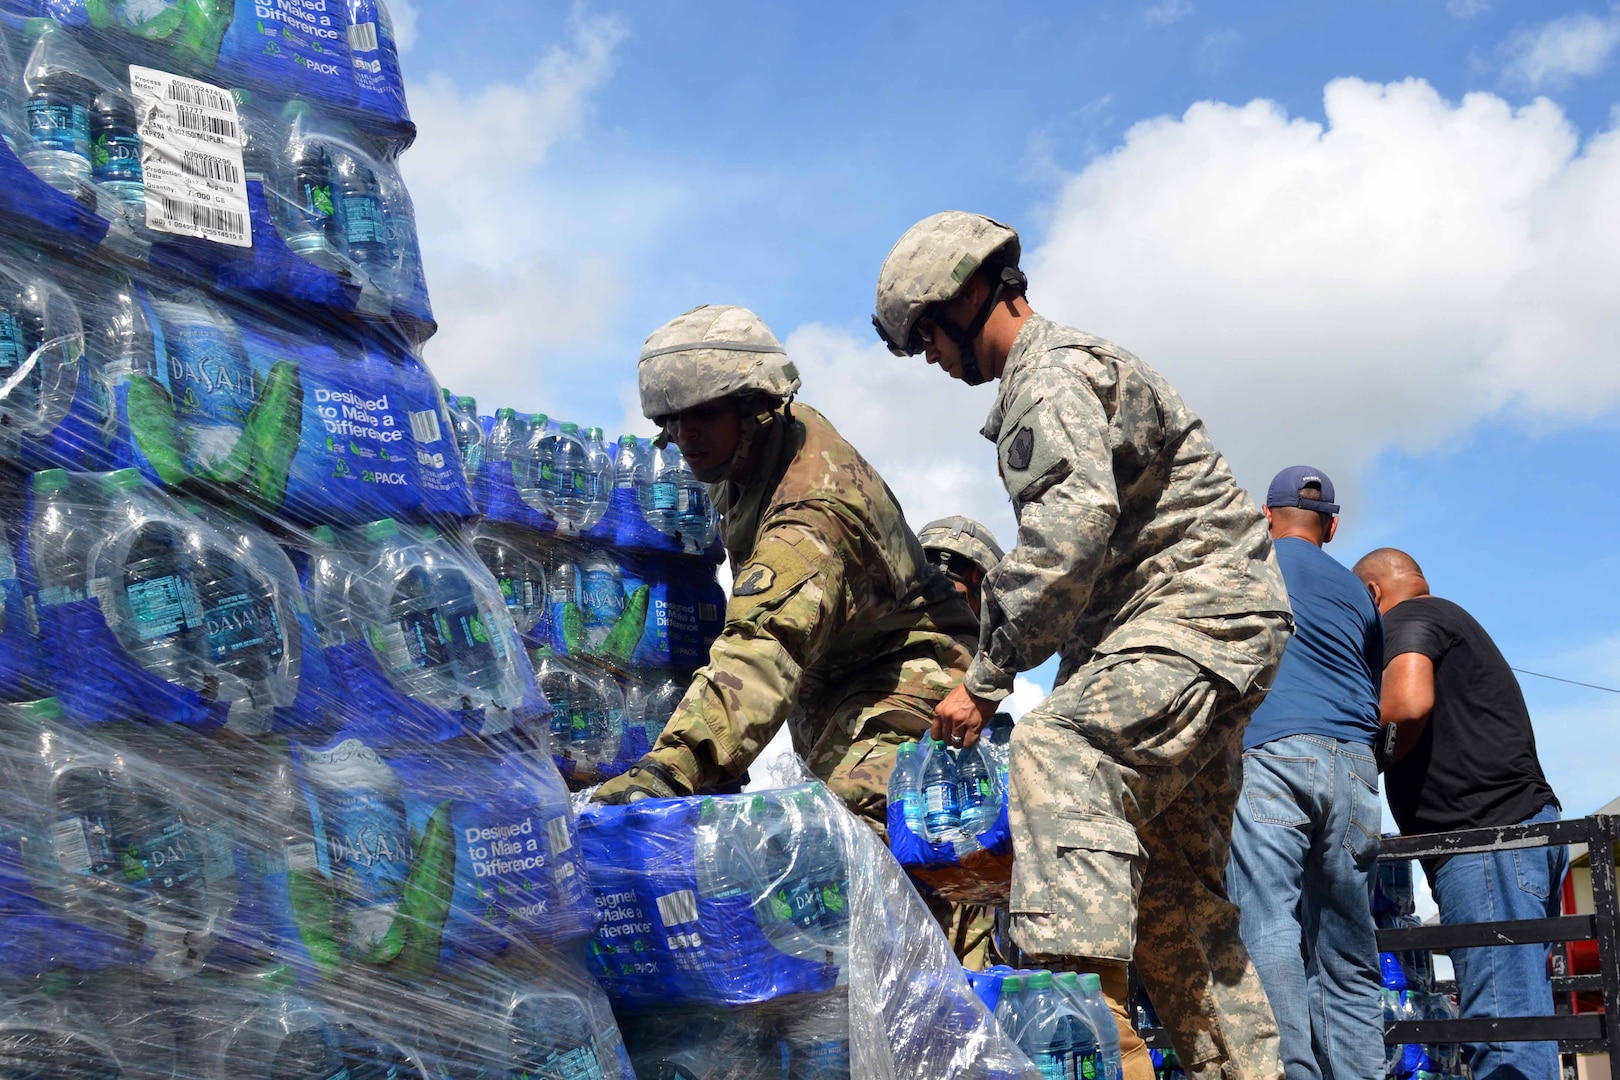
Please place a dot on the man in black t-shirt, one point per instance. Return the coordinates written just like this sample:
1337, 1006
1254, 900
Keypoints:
1465, 756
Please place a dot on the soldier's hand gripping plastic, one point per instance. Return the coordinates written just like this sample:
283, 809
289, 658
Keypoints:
647, 779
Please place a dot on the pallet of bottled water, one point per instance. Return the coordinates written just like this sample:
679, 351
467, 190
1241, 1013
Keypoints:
947, 816
771, 935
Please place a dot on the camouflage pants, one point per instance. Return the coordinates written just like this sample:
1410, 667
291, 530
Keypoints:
1124, 783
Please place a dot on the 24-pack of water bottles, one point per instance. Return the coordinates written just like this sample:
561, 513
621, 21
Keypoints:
292, 644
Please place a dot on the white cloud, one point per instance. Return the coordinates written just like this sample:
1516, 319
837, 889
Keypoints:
402, 14
1320, 292
505, 281
1552, 54
1466, 9
1168, 11
1025, 696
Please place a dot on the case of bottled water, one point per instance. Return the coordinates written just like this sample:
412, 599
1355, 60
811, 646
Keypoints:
947, 816
770, 935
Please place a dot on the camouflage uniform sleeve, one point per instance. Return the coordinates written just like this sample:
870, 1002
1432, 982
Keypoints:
785, 608
1058, 470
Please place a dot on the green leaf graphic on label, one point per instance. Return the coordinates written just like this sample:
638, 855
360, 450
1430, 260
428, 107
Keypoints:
98, 152
621, 641
134, 869
379, 643
151, 424
781, 910
425, 905
832, 898
479, 634
322, 198
312, 909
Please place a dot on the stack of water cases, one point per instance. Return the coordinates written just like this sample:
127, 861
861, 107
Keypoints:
606, 557
769, 936
279, 799
1410, 991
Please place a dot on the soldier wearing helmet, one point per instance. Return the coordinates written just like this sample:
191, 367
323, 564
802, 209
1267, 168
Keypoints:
1149, 571
837, 624
964, 551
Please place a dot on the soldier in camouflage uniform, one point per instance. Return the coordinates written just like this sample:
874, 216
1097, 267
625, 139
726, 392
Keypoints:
837, 623
1149, 571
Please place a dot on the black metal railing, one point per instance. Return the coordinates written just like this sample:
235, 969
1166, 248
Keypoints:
1585, 1033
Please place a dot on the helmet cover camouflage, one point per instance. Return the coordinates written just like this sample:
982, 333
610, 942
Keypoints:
930, 264
709, 353
964, 537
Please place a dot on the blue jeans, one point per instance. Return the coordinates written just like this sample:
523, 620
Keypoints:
1506, 980
1303, 841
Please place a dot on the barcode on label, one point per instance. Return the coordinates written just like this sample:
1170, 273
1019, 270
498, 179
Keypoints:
363, 37
72, 848
209, 167
399, 650
191, 119
557, 833
219, 860
708, 612
425, 426
301, 856
209, 219
100, 589
678, 907
206, 96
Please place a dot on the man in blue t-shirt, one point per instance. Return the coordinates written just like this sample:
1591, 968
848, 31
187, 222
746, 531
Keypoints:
1306, 828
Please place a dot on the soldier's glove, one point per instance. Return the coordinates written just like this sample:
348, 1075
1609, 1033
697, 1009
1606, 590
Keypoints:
647, 779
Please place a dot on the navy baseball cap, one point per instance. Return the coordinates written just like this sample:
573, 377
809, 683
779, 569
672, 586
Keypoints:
1284, 490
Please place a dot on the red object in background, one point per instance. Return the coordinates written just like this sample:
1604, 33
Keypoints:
1582, 955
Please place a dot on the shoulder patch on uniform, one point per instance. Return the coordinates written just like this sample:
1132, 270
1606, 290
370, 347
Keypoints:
755, 578
1023, 446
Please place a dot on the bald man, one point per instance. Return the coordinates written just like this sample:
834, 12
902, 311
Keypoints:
1465, 756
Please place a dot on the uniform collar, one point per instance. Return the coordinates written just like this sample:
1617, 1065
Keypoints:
1015, 355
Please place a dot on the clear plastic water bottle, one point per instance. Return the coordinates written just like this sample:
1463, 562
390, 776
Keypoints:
60, 92
22, 332
997, 743
115, 153
694, 514
1088, 1048
522, 581
941, 815
329, 586
664, 500
552, 1034
582, 711
278, 1036
507, 438
475, 639
210, 377
601, 597
570, 482
61, 537
407, 638
368, 843
244, 640
630, 468
1009, 1013
310, 223
905, 786
601, 475
534, 478
1105, 1025
156, 611
976, 800
469, 436
810, 900
359, 204
562, 589
1055, 1035
1394, 1011
651, 707
119, 337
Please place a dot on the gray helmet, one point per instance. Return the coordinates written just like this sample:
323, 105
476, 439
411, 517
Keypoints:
710, 353
961, 537
930, 264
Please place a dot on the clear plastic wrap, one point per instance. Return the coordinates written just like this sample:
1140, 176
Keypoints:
739, 933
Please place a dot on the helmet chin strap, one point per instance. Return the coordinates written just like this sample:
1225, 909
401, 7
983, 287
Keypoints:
972, 374
753, 424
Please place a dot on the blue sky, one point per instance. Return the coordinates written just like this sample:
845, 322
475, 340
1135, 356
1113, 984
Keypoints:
1378, 237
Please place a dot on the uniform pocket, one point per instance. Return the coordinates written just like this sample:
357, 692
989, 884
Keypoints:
1366, 812
1274, 786
1532, 867
1076, 866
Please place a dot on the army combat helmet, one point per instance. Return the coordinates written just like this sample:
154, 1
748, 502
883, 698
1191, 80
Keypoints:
714, 352
708, 353
929, 265
952, 541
